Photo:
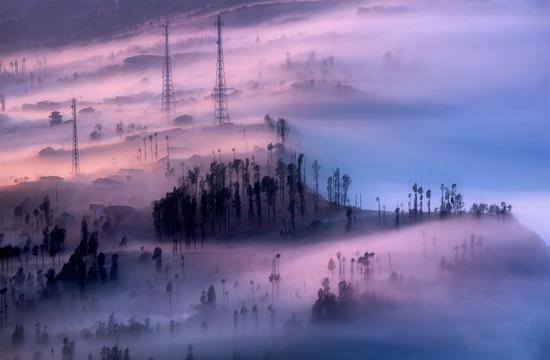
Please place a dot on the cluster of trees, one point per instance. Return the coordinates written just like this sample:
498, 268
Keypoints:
53, 244
338, 188
97, 133
41, 336
364, 262
130, 128
416, 201
153, 150
40, 217
7, 255
452, 201
468, 250
281, 126
112, 329
329, 307
243, 312
68, 350
14, 71
482, 209
85, 264
314, 70
113, 353
208, 298
229, 194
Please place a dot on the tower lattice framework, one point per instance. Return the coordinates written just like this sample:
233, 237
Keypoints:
168, 98
221, 115
75, 155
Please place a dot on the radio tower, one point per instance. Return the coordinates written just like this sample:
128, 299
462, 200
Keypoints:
168, 99
221, 115
75, 160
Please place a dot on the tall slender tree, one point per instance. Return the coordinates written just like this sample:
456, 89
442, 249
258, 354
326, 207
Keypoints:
378, 202
415, 207
421, 195
330, 190
300, 186
429, 197
316, 168
346, 182
280, 171
258, 194
291, 185
283, 129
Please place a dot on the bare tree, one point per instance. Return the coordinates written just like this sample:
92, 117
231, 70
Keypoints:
316, 168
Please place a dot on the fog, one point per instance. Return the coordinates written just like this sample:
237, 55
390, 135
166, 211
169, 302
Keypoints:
472, 304
465, 85
393, 93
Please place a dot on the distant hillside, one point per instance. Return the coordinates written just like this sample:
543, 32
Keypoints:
28, 23
39, 23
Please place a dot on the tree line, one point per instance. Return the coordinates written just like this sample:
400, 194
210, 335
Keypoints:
240, 193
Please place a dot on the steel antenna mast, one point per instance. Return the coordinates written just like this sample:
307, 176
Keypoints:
221, 115
168, 98
75, 155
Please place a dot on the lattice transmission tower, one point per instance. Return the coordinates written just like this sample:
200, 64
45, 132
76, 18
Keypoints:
75, 156
168, 99
221, 115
